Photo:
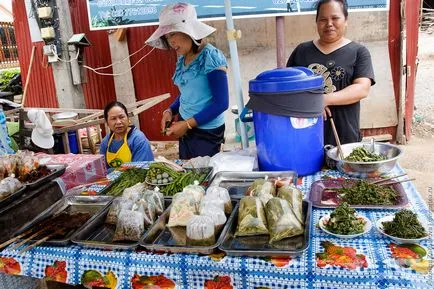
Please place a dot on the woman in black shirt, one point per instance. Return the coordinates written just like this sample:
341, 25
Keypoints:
345, 65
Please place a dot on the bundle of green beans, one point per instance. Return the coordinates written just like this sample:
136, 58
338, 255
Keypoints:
183, 180
362, 155
127, 179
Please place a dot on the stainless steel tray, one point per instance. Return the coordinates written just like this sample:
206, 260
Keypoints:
56, 171
237, 183
159, 237
259, 246
98, 234
318, 199
93, 205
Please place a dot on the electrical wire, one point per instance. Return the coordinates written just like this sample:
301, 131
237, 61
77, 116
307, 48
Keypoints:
68, 61
120, 61
117, 74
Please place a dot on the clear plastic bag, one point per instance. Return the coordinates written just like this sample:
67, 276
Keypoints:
200, 231
264, 189
251, 218
129, 226
210, 200
156, 198
117, 205
148, 210
282, 222
196, 191
10, 184
135, 192
295, 199
184, 206
222, 194
217, 215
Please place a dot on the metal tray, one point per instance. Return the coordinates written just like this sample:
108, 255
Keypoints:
258, 245
237, 183
12, 197
93, 205
98, 234
159, 237
56, 171
318, 187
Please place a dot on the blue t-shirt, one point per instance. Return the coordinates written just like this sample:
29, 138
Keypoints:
137, 142
194, 86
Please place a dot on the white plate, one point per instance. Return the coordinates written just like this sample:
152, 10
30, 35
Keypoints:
366, 229
389, 218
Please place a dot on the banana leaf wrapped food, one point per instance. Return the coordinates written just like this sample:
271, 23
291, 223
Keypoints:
222, 194
184, 206
295, 199
200, 231
263, 189
251, 218
282, 222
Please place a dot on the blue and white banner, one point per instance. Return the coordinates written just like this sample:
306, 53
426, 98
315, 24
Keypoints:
109, 14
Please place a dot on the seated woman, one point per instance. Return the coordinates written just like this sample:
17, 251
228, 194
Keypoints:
125, 143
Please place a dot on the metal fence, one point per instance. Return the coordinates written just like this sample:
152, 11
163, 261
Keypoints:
8, 46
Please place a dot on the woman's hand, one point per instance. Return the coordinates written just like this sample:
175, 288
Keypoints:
165, 120
177, 129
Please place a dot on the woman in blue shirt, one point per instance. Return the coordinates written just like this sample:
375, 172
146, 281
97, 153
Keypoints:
201, 78
125, 143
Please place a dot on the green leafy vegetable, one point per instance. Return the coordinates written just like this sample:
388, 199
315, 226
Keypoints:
343, 221
405, 225
365, 193
127, 179
362, 155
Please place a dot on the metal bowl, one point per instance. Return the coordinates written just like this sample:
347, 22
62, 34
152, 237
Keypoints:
365, 170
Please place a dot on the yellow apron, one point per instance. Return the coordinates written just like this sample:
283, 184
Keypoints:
123, 155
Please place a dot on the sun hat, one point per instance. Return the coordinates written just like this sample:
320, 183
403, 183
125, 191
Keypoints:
179, 17
42, 134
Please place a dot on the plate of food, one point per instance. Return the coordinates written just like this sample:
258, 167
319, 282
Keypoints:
403, 227
343, 222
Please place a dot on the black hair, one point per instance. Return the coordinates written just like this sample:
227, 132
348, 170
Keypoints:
194, 47
343, 3
111, 105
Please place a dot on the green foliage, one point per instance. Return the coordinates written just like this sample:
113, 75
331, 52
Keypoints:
6, 76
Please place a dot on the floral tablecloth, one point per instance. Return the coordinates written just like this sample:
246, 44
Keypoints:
363, 262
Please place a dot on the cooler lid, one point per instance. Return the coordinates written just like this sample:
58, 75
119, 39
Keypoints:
296, 78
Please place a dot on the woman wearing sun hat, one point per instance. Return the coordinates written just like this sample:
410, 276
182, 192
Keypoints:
201, 77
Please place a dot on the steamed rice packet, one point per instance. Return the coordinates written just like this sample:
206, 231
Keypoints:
251, 218
213, 201
282, 222
184, 206
222, 194
130, 226
117, 205
295, 199
156, 198
200, 231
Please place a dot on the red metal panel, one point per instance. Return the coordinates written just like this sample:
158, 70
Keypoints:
41, 90
394, 45
152, 77
412, 8
99, 89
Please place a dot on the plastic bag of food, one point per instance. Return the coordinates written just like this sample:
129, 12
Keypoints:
251, 218
295, 199
117, 205
222, 194
156, 198
209, 200
217, 215
179, 234
262, 186
282, 222
196, 191
200, 231
184, 206
148, 210
134, 193
130, 226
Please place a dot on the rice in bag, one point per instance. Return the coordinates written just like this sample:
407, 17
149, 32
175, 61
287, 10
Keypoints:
251, 218
130, 226
200, 231
282, 222
222, 194
295, 199
183, 207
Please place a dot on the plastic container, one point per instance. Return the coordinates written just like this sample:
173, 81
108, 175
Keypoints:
291, 138
73, 145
